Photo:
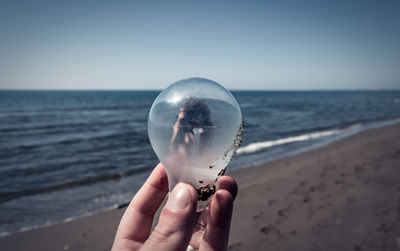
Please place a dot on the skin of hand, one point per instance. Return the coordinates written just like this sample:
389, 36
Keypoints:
178, 225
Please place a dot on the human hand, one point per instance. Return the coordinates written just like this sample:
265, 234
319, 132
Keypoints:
178, 224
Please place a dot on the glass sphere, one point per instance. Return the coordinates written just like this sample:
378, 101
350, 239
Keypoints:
195, 126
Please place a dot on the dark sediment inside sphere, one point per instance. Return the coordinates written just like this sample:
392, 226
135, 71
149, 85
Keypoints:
205, 192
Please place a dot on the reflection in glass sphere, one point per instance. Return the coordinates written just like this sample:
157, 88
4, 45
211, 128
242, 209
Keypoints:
195, 126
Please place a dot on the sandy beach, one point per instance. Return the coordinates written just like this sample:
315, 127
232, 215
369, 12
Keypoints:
345, 196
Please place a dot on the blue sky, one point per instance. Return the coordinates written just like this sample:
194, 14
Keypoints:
242, 45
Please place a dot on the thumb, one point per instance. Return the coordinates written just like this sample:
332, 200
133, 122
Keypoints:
176, 222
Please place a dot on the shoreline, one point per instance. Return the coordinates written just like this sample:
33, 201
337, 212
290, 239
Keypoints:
301, 173
286, 147
344, 196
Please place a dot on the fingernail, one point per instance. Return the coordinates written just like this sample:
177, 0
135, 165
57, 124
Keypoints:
179, 198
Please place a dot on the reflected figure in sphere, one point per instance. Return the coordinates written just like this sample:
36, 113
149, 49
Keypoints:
192, 128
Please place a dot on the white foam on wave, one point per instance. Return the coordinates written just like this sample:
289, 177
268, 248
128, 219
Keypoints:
258, 146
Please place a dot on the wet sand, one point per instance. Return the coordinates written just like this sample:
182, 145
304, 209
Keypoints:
345, 196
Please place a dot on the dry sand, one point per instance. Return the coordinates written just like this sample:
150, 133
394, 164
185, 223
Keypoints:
342, 197
345, 196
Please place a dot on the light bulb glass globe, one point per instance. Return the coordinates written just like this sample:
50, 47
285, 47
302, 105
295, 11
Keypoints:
195, 126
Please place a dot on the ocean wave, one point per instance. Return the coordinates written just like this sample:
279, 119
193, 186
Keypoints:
52, 111
6, 196
19, 147
258, 146
72, 126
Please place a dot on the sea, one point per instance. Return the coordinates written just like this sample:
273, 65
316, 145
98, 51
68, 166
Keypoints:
70, 154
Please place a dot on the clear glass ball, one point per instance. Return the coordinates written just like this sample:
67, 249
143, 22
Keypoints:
195, 126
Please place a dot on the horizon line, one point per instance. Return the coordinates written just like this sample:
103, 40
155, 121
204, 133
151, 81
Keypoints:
233, 90
245, 90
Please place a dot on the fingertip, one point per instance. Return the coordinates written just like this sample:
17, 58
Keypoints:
160, 169
193, 192
160, 179
181, 197
229, 184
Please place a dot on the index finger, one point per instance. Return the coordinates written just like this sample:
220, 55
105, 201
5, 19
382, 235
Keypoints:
136, 222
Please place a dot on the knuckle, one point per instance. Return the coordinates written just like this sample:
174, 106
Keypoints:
135, 209
162, 234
